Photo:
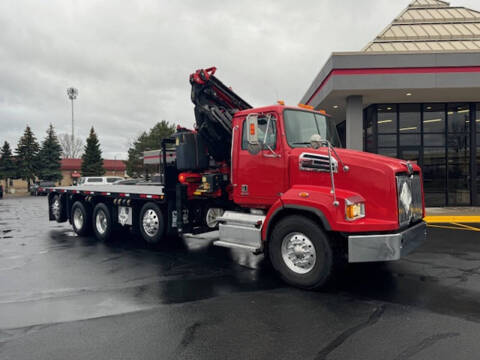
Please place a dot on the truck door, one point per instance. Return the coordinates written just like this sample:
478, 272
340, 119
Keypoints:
259, 175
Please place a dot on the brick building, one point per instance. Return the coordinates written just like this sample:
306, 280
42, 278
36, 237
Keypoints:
71, 169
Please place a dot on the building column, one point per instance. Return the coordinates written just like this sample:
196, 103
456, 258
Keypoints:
354, 122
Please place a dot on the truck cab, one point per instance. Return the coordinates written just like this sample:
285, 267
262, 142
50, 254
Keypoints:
279, 165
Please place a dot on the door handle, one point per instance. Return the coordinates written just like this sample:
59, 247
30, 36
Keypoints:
271, 155
274, 155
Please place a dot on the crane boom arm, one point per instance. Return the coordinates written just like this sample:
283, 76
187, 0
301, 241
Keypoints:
215, 105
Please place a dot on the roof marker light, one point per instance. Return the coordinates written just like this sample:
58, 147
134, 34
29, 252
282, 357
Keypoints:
303, 106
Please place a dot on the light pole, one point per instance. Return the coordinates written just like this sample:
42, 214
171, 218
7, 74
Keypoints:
72, 95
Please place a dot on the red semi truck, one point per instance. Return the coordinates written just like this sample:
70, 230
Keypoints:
270, 180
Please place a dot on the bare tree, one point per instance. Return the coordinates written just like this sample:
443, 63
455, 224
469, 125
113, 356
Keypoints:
69, 150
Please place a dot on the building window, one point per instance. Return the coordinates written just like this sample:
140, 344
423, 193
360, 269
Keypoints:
434, 118
387, 119
409, 117
458, 154
444, 139
458, 118
387, 127
342, 133
477, 165
434, 164
370, 117
434, 175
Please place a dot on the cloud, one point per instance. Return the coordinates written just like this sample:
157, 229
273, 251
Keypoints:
131, 59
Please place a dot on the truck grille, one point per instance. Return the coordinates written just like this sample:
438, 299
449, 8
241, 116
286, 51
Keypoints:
409, 196
317, 162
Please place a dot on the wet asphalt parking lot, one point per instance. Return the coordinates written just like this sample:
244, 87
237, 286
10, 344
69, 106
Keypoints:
66, 297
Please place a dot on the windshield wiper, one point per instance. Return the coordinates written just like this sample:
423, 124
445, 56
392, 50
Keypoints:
301, 143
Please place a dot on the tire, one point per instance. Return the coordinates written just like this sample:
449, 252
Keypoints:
301, 253
81, 219
151, 223
56, 208
102, 222
209, 217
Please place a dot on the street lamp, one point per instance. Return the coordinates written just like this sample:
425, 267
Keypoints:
72, 95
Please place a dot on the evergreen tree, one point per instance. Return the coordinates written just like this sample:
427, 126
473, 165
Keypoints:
49, 157
27, 152
92, 162
7, 164
151, 140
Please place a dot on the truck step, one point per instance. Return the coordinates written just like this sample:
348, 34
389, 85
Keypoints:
233, 245
242, 219
241, 231
211, 235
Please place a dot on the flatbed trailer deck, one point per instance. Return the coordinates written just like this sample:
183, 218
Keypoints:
113, 191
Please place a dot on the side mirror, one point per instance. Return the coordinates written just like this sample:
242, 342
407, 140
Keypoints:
252, 129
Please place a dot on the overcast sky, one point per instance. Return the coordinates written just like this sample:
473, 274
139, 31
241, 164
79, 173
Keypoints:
131, 59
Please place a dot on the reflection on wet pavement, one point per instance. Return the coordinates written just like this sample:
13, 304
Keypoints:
48, 274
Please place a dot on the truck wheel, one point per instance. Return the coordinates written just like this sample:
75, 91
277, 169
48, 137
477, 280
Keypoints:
81, 219
56, 208
301, 252
211, 216
151, 223
102, 222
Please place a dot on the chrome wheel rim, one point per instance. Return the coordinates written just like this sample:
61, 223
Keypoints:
298, 253
212, 215
78, 218
101, 222
56, 208
150, 222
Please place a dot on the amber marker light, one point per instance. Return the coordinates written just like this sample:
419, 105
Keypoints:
354, 211
303, 106
304, 195
252, 129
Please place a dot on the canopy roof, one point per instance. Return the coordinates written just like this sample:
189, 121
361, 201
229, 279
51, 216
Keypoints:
430, 25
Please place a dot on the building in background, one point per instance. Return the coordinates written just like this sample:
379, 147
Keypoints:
71, 169
414, 93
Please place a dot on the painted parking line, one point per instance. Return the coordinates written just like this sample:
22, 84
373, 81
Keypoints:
455, 226
470, 219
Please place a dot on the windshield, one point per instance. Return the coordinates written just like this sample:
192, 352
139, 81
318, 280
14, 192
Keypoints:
301, 125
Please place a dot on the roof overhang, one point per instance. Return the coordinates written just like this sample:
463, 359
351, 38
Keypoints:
395, 78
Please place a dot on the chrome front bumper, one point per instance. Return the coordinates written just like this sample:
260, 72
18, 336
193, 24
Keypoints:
385, 247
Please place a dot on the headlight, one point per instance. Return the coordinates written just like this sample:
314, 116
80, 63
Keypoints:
354, 209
